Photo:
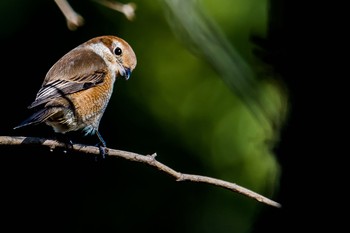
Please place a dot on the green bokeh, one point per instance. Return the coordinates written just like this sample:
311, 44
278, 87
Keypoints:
187, 113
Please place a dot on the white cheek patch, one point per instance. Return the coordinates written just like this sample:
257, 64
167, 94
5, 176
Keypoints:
113, 65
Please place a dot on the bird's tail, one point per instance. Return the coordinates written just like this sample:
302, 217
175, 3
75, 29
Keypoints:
37, 118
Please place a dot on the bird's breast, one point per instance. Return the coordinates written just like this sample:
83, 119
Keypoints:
90, 104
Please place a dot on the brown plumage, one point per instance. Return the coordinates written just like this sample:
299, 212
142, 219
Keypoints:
77, 88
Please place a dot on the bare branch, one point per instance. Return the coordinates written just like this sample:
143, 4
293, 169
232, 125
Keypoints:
147, 159
74, 20
127, 9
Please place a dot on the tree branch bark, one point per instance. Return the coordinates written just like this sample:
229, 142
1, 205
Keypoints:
74, 20
147, 159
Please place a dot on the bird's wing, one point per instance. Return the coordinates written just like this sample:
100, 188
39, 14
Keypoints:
78, 70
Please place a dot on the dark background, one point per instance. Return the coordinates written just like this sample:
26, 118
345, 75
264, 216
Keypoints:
47, 191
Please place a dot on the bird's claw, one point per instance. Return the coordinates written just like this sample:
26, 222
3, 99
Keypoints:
101, 146
69, 144
103, 151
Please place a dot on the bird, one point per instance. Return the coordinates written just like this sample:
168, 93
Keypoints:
77, 88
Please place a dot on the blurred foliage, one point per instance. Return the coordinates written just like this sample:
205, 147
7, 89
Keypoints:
175, 104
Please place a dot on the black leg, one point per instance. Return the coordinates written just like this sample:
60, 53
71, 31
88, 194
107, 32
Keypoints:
101, 145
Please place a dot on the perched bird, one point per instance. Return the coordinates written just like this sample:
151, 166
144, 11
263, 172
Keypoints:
78, 87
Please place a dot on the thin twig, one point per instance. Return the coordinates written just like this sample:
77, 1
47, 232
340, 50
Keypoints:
147, 159
74, 20
127, 9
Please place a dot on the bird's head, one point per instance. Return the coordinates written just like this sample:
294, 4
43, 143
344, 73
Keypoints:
117, 53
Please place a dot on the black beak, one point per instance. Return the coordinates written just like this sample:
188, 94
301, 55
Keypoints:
127, 73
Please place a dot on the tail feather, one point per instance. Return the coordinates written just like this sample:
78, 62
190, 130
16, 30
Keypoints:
37, 118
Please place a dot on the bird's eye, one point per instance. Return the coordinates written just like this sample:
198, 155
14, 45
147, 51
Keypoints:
118, 51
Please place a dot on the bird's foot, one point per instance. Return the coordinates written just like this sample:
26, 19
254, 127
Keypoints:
67, 142
69, 146
103, 152
101, 146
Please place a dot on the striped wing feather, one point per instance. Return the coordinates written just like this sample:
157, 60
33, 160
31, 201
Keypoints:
76, 71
